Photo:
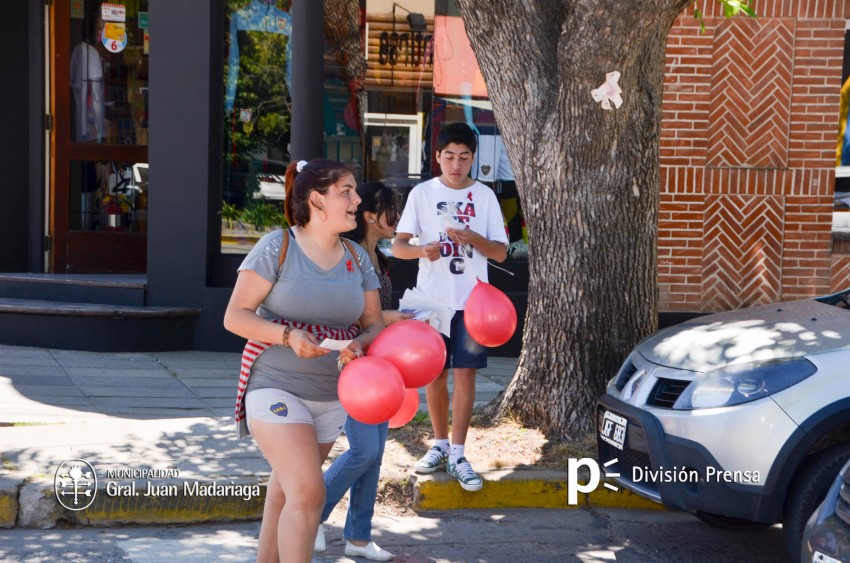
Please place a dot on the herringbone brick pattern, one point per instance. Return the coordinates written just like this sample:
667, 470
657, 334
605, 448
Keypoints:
750, 113
840, 273
742, 256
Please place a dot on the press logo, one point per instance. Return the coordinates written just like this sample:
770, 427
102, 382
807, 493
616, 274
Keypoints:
75, 484
574, 486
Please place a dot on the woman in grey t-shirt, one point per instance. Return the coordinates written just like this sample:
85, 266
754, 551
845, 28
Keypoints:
324, 288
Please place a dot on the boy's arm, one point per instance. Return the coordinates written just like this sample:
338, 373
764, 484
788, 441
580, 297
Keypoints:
494, 250
406, 251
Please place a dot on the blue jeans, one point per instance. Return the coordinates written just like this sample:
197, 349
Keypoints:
357, 469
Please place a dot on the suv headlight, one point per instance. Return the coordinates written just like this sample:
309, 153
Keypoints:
742, 383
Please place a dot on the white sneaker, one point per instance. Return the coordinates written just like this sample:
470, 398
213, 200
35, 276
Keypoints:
434, 459
369, 551
319, 546
463, 472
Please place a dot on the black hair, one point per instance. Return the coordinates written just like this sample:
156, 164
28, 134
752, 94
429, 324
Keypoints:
317, 175
458, 133
380, 199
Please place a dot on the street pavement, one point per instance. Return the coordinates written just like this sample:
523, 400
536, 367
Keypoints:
171, 412
493, 536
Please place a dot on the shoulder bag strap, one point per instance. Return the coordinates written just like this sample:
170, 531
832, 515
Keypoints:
350, 248
283, 248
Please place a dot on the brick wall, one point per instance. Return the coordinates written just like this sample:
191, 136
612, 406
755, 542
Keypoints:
748, 134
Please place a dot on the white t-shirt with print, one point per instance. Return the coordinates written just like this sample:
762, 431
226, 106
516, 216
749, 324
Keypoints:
430, 208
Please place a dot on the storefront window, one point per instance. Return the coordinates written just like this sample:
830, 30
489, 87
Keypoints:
109, 45
842, 151
395, 72
108, 196
460, 95
109, 72
257, 108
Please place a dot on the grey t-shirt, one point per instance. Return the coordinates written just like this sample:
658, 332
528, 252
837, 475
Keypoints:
305, 293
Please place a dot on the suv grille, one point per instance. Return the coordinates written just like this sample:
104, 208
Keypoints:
666, 392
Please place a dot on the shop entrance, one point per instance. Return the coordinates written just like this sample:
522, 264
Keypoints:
99, 108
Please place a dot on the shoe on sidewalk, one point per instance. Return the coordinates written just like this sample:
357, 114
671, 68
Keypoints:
462, 471
319, 546
369, 551
433, 460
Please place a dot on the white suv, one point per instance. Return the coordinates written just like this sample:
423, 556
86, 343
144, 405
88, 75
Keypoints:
742, 418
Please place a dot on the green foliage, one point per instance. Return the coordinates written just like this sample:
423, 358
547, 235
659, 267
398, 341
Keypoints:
260, 215
259, 123
731, 8
229, 213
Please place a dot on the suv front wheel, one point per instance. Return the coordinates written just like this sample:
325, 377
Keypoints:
808, 491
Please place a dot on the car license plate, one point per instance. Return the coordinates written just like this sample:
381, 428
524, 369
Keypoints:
613, 429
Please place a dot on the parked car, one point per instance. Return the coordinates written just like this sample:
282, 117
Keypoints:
827, 535
742, 417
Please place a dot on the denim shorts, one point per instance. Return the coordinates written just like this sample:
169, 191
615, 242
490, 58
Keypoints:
279, 407
461, 350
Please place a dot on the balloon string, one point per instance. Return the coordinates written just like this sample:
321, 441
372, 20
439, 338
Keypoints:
467, 249
500, 268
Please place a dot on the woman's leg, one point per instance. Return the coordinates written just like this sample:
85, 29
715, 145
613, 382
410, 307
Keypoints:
363, 448
294, 454
275, 499
364, 491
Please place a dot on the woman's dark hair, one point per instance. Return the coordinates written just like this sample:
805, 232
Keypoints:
317, 175
380, 199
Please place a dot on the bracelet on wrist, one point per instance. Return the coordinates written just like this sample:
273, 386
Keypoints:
284, 339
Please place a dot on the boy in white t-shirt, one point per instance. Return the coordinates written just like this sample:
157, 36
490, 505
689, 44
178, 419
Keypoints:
459, 224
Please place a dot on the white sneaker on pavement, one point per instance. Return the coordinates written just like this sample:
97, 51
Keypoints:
319, 546
369, 551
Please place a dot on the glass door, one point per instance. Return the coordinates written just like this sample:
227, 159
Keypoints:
98, 203
393, 146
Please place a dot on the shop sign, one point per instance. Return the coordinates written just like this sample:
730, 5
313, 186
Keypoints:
397, 56
113, 12
407, 49
78, 9
114, 37
143, 20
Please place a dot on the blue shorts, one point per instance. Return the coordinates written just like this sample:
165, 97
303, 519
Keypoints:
461, 350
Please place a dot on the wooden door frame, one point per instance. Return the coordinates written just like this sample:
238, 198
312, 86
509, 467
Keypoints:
98, 246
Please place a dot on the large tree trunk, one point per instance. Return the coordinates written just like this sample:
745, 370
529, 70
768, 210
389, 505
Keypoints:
588, 181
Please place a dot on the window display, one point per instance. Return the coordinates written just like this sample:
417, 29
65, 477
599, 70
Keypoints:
257, 111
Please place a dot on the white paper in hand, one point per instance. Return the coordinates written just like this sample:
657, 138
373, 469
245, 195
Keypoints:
331, 344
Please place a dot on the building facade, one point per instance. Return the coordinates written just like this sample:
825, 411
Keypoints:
146, 142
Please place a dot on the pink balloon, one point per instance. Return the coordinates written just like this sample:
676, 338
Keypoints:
371, 390
415, 348
408, 409
489, 315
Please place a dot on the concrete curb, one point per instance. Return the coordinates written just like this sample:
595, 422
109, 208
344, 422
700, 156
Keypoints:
168, 501
9, 491
516, 489
117, 502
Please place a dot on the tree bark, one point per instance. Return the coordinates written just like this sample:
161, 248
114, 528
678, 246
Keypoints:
588, 180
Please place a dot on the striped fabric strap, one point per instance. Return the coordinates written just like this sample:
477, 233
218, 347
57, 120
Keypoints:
253, 349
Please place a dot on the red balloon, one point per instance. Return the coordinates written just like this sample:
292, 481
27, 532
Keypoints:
408, 409
371, 390
415, 348
489, 315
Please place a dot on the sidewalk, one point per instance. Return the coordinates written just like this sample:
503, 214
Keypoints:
164, 420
